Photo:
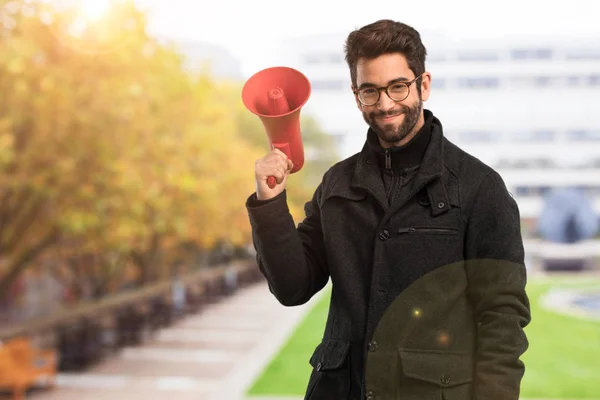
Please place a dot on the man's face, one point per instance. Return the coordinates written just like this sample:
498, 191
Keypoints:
395, 122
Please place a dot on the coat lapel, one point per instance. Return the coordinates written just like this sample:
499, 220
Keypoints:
367, 175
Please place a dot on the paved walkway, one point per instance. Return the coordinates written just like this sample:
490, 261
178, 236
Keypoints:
216, 354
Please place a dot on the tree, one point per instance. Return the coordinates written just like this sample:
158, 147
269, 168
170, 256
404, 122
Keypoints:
113, 154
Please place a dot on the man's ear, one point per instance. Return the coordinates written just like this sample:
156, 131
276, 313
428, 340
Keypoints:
358, 103
425, 86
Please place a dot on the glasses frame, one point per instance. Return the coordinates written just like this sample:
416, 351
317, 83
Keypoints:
385, 88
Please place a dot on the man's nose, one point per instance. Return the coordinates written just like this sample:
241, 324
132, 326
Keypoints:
385, 103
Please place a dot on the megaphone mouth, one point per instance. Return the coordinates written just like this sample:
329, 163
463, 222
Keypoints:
273, 83
276, 95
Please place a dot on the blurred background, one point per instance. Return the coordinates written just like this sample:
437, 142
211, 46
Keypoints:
126, 156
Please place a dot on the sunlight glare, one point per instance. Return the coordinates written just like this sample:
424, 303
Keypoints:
94, 10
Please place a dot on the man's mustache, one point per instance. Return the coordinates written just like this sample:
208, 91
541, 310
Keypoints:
390, 113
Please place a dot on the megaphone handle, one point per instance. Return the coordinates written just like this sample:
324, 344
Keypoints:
285, 149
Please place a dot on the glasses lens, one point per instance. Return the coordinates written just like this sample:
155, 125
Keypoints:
368, 96
398, 91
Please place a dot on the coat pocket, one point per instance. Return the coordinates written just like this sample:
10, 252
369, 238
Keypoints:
438, 374
431, 230
330, 378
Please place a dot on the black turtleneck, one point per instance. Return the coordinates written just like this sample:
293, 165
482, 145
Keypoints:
399, 162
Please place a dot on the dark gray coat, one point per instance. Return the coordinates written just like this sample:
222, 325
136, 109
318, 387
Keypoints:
428, 296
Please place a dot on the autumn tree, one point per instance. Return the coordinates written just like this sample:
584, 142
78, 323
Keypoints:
113, 154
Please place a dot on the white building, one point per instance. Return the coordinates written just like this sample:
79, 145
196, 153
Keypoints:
205, 56
530, 108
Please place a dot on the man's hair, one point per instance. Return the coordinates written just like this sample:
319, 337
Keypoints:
385, 37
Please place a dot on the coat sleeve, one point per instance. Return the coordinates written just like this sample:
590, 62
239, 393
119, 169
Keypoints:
497, 277
291, 258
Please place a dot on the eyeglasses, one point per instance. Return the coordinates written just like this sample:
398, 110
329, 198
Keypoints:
396, 91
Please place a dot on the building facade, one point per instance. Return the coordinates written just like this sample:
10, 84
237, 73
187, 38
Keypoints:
528, 107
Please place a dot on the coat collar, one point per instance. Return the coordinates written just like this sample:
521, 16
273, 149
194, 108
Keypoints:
367, 173
408, 155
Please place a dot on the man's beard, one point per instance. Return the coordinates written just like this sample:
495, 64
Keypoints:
391, 133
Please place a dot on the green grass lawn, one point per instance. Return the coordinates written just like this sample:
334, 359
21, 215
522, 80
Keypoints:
288, 373
563, 360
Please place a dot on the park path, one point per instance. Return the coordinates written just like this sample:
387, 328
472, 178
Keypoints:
215, 354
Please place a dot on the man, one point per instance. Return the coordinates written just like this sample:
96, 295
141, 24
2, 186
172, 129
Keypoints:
420, 239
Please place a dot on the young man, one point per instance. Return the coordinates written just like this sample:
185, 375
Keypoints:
421, 241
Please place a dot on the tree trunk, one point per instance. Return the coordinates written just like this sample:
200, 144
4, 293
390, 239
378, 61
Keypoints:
25, 259
146, 259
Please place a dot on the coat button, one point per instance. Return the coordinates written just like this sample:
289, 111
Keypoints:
319, 366
441, 204
385, 235
373, 346
445, 379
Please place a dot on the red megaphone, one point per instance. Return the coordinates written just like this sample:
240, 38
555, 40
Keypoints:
276, 95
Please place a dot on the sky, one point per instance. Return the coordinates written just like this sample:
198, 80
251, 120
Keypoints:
251, 29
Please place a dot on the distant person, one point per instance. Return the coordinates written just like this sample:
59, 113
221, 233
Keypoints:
414, 233
179, 293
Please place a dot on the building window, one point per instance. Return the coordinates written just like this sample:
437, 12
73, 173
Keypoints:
534, 136
479, 82
590, 80
323, 58
550, 81
522, 81
594, 80
438, 83
334, 85
543, 136
574, 80
583, 136
478, 56
531, 54
523, 191
479, 136
583, 54
527, 191
544, 81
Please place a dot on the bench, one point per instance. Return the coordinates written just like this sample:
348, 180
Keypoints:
22, 366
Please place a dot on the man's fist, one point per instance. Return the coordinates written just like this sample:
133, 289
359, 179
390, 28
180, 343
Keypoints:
274, 164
